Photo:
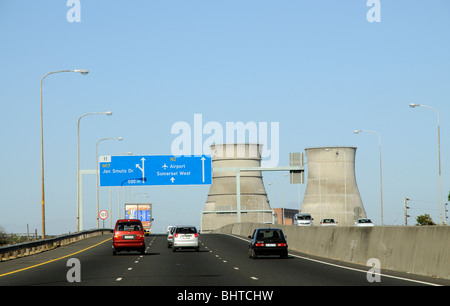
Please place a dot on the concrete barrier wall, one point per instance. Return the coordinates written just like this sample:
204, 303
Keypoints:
38, 246
419, 250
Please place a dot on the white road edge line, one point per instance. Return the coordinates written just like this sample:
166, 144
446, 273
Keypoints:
348, 268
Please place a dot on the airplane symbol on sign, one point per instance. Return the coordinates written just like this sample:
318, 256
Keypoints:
165, 166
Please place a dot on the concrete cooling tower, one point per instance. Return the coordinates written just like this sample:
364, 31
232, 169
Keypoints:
331, 190
221, 208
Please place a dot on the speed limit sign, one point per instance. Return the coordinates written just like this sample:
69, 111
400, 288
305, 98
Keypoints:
103, 214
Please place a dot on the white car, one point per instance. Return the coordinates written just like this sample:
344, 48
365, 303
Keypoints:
185, 237
364, 222
170, 231
328, 222
303, 219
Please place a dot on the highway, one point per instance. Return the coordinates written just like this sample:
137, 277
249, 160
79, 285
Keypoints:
222, 261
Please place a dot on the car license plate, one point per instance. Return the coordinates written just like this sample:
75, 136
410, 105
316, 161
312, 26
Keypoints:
129, 236
271, 244
185, 237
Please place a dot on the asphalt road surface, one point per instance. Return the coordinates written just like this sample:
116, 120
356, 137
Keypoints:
222, 261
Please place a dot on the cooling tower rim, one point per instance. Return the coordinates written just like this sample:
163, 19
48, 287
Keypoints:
331, 147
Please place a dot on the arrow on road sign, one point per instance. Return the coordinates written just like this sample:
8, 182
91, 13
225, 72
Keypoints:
142, 169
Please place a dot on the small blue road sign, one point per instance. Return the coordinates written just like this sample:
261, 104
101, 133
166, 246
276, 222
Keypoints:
155, 170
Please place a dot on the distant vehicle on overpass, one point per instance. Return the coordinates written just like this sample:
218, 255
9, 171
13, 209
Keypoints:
364, 222
303, 219
328, 222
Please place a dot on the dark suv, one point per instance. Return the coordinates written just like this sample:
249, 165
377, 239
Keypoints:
267, 241
128, 236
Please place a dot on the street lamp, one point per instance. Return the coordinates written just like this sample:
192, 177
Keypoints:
109, 113
282, 201
97, 168
381, 173
83, 72
413, 105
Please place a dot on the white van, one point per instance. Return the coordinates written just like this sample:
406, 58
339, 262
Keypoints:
303, 219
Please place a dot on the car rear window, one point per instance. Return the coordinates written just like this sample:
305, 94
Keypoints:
186, 230
364, 221
269, 234
129, 226
304, 218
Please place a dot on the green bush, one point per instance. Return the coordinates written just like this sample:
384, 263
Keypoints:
424, 220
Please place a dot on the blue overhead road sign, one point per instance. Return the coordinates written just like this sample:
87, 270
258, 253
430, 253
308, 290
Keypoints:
154, 170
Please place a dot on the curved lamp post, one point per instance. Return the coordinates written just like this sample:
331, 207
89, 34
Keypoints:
97, 168
83, 72
109, 113
413, 105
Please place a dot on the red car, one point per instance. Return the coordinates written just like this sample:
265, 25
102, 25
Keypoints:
128, 236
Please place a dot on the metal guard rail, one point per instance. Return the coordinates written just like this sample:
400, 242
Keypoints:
34, 247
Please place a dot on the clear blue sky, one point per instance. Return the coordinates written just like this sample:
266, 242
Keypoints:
318, 68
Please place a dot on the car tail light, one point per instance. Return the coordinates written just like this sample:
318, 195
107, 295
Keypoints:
281, 244
196, 235
259, 244
176, 235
